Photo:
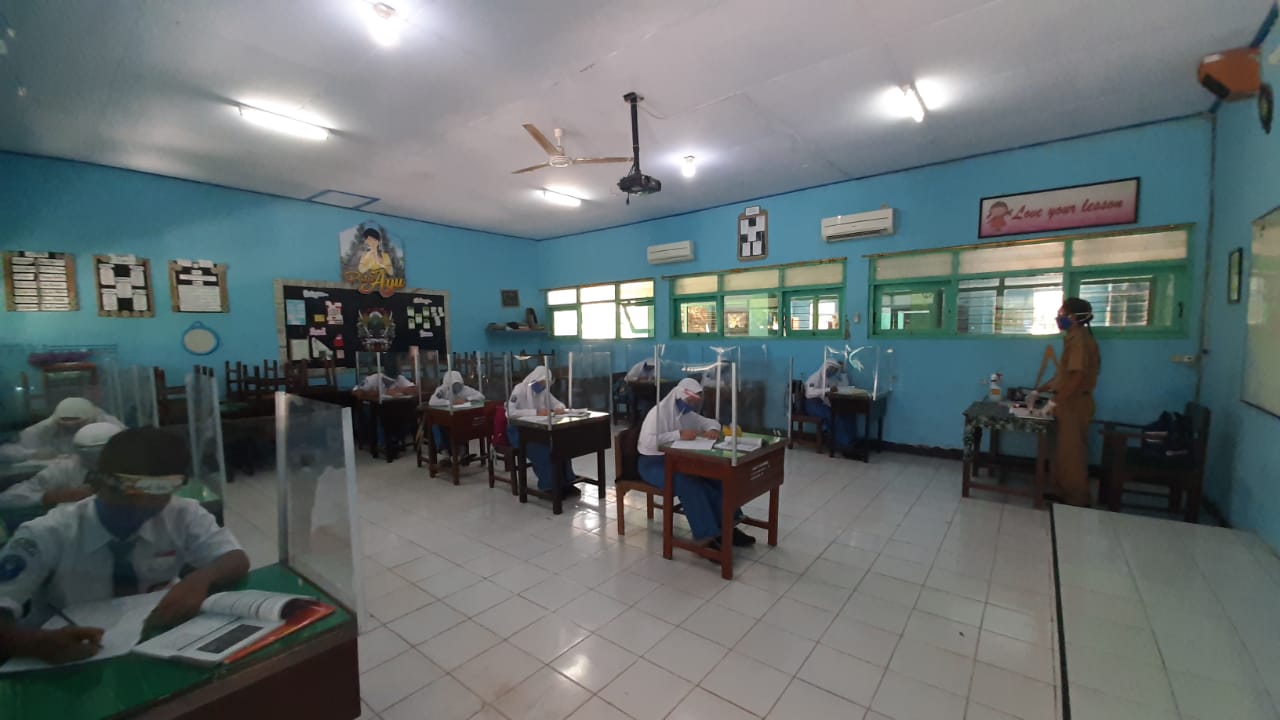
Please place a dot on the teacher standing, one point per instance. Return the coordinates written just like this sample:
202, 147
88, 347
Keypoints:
1073, 404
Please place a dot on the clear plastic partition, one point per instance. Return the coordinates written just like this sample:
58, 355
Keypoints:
764, 391
15, 390
316, 490
713, 370
872, 368
495, 377
389, 375
38, 377
589, 378
208, 478
129, 393
523, 363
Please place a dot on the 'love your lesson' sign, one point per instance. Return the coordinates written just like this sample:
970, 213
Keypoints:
1081, 206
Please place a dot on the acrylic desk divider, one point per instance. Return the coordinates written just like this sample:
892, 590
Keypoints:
590, 378
204, 435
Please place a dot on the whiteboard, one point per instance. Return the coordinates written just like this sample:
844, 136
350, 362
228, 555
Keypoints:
1262, 325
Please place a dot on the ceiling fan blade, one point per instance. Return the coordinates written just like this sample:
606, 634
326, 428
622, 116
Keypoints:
541, 139
600, 160
531, 168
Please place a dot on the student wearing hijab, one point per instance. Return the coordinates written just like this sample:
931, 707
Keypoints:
131, 537
1072, 403
63, 480
829, 377
676, 417
452, 391
54, 435
533, 398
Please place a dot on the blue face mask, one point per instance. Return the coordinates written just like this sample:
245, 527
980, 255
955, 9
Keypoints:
685, 407
1064, 322
123, 521
457, 388
539, 386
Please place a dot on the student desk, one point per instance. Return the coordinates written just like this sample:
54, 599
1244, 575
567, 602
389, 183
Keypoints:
756, 473
995, 418
855, 405
568, 437
391, 413
312, 673
463, 423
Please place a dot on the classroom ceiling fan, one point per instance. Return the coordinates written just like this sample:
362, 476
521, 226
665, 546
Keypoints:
555, 153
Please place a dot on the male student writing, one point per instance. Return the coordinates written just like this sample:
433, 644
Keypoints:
132, 537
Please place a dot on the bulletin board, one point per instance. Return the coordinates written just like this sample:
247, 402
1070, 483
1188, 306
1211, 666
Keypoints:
753, 234
1262, 325
319, 319
124, 286
198, 286
35, 281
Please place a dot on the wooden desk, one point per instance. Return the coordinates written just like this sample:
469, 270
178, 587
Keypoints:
855, 405
568, 438
311, 673
387, 413
463, 423
755, 474
996, 418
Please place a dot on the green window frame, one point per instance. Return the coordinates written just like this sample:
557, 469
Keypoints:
795, 300
579, 312
1138, 281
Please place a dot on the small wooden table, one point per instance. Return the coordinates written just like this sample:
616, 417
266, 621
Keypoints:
855, 405
996, 418
463, 423
568, 437
385, 412
755, 474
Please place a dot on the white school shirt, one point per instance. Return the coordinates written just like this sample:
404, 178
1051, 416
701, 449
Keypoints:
62, 558
663, 423
375, 382
814, 387
60, 474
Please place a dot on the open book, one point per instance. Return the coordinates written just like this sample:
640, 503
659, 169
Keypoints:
234, 624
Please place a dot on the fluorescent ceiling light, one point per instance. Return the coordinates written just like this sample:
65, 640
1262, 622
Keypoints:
556, 198
283, 124
912, 103
384, 24
687, 168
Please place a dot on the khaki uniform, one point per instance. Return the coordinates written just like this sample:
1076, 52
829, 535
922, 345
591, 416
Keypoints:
1074, 412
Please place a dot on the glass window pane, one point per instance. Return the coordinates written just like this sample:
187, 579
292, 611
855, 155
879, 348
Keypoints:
564, 323
563, 296
976, 311
696, 285
755, 280
1142, 247
596, 293
917, 265
635, 290
1041, 279
751, 315
698, 316
1030, 311
829, 313
635, 321
599, 321
824, 274
814, 312
1012, 258
910, 310
1119, 302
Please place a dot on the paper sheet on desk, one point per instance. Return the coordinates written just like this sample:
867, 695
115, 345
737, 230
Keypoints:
744, 444
121, 618
699, 444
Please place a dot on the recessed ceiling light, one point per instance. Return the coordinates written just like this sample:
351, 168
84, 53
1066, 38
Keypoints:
912, 103
384, 24
556, 198
283, 124
687, 167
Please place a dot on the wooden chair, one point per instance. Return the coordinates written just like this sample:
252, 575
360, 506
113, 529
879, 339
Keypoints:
621, 396
799, 419
626, 475
234, 377
500, 448
1125, 463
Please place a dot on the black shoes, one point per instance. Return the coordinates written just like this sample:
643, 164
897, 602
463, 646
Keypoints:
446, 461
572, 491
741, 539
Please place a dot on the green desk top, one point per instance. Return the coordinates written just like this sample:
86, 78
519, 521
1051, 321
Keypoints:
768, 440
103, 689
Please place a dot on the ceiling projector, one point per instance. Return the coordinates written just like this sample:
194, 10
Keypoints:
636, 182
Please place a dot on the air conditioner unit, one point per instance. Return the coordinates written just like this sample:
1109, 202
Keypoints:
867, 224
671, 252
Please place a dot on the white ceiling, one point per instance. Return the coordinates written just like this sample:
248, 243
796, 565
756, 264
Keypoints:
769, 95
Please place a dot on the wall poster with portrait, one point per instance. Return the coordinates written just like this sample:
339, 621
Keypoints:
372, 260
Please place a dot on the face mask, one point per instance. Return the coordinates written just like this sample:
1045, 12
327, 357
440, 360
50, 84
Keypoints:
123, 520
539, 386
685, 407
832, 372
1064, 322
457, 388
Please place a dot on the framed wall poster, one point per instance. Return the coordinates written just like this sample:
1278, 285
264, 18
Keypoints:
753, 234
40, 281
510, 298
198, 286
371, 260
1065, 208
1235, 265
124, 286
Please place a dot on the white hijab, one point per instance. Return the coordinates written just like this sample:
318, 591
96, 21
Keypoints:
444, 395
665, 421
524, 401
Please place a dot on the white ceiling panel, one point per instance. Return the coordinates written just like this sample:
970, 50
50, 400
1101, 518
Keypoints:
769, 96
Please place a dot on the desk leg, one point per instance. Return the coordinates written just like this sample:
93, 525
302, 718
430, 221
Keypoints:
972, 436
668, 510
433, 453
453, 455
386, 432
557, 481
866, 437
1042, 459
774, 496
522, 467
728, 504
600, 476
372, 423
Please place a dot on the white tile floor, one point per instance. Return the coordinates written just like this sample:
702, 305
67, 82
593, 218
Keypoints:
1166, 620
887, 597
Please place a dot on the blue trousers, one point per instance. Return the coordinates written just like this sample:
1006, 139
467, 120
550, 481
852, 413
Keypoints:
701, 497
539, 457
844, 427
441, 437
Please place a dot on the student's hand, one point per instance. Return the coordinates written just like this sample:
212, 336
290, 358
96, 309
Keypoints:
688, 434
712, 434
559, 411
543, 412
459, 401
66, 495
180, 604
1051, 409
64, 645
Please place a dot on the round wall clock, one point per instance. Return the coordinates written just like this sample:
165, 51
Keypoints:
199, 340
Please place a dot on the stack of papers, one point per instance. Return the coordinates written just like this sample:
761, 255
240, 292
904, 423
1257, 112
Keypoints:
745, 444
699, 444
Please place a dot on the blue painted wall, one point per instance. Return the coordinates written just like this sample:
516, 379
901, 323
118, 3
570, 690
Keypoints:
89, 209
937, 206
1244, 473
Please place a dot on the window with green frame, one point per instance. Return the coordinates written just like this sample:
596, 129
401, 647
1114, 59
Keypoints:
602, 311
1137, 282
797, 300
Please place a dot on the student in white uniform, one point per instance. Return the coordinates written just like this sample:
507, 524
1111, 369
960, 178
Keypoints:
132, 537
642, 372
533, 398
829, 377
452, 391
52, 436
377, 384
676, 418
63, 480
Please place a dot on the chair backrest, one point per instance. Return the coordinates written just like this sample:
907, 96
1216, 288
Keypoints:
1198, 416
626, 454
797, 397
